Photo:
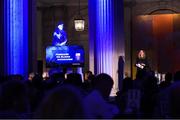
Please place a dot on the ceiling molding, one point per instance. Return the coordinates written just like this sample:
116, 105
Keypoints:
61, 2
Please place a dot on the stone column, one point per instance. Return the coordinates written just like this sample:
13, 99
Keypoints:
16, 37
106, 36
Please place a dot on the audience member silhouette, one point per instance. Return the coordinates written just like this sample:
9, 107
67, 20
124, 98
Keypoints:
58, 97
36, 91
97, 100
149, 96
174, 96
103, 83
88, 81
62, 102
167, 82
13, 98
121, 97
163, 103
74, 79
55, 79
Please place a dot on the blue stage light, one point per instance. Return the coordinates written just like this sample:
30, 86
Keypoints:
16, 42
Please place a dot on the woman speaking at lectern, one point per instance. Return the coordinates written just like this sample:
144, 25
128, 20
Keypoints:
141, 61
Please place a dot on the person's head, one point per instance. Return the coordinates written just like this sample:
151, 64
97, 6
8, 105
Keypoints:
37, 80
103, 83
30, 77
57, 78
13, 96
74, 79
127, 84
177, 76
88, 74
60, 26
168, 77
62, 102
141, 54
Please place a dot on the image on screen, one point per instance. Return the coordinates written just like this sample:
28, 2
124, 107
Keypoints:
64, 56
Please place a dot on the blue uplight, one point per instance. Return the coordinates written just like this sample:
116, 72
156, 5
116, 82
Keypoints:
16, 42
104, 36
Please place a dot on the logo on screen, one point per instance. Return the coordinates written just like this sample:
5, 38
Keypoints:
78, 56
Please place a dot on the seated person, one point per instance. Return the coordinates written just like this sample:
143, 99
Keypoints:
59, 36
